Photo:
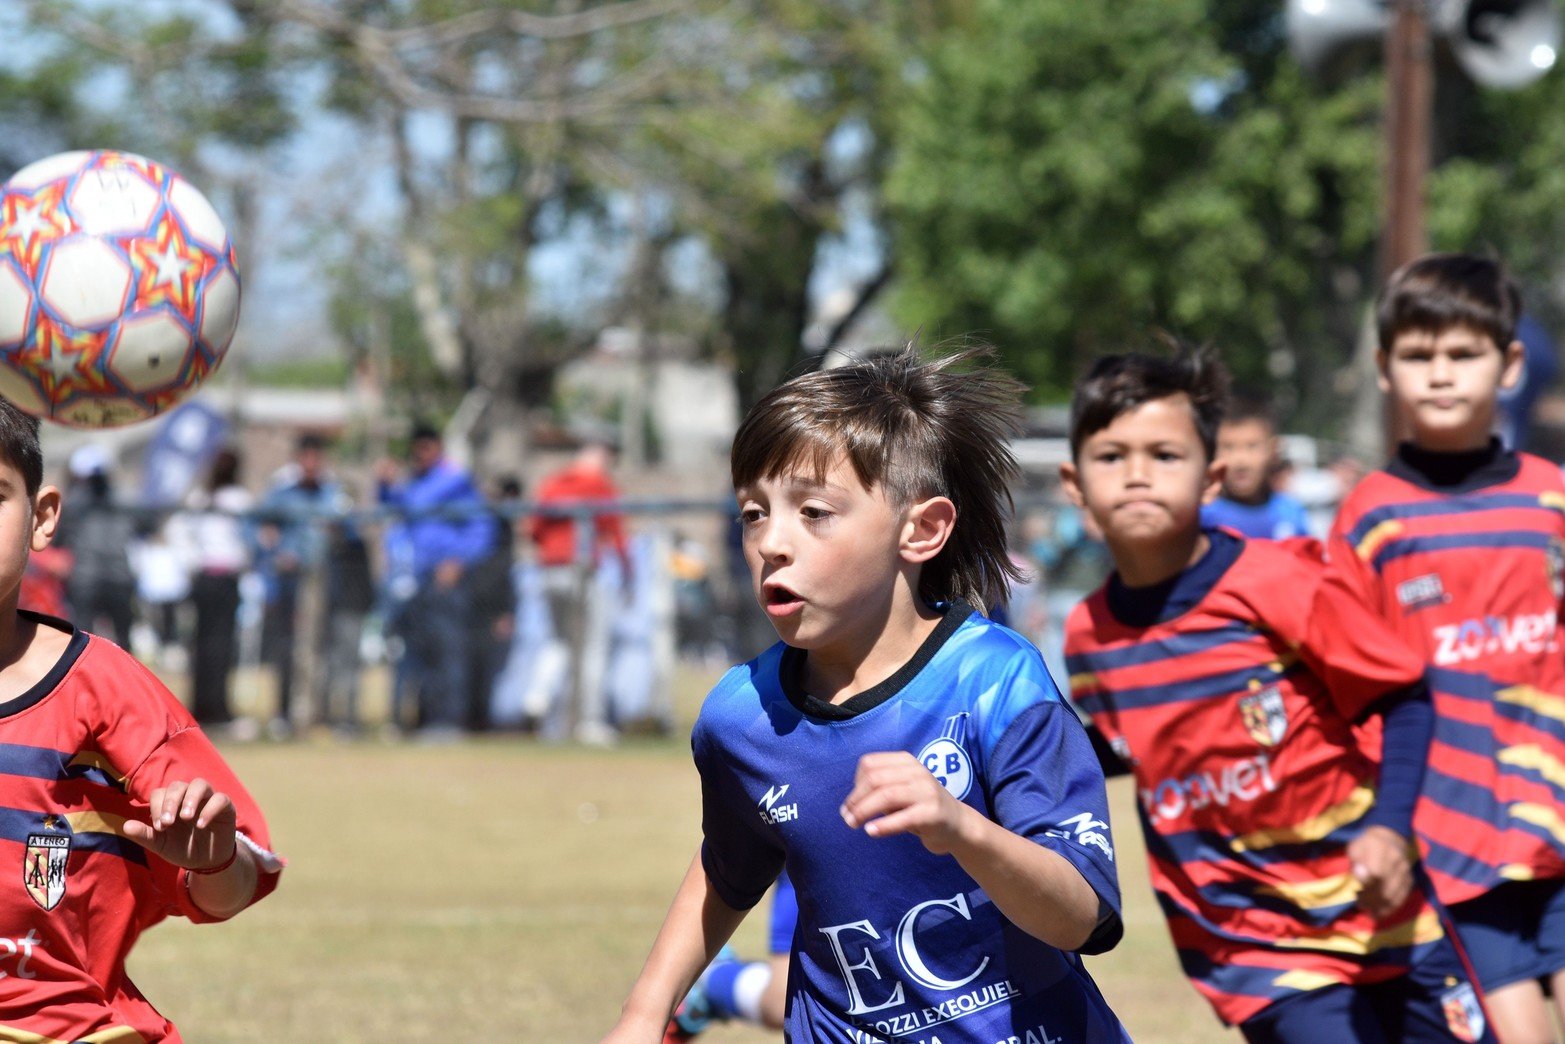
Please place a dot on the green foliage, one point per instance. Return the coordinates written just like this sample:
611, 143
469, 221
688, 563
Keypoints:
1058, 189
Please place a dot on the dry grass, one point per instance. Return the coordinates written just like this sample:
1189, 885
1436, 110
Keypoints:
505, 891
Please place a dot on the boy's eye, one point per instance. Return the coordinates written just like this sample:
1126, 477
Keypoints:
751, 515
814, 514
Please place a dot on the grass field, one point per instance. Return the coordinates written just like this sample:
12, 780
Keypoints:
502, 890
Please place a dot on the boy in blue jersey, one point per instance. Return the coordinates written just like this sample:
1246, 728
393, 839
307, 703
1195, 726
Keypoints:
1247, 448
938, 808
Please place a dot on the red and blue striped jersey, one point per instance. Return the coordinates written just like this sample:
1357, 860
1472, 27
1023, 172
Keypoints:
80, 753
1469, 568
1231, 693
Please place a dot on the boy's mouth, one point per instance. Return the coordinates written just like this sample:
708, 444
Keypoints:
780, 601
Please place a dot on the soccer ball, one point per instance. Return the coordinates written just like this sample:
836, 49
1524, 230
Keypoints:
119, 292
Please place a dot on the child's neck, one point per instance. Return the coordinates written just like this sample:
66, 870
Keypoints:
1142, 565
1452, 442
859, 660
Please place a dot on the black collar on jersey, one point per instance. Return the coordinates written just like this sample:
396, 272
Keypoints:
790, 672
1157, 603
1454, 472
49, 682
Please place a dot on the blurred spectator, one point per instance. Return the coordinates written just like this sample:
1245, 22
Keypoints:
1247, 448
43, 582
211, 528
289, 543
570, 561
695, 604
350, 594
494, 610
1540, 366
162, 585
443, 532
1320, 490
98, 533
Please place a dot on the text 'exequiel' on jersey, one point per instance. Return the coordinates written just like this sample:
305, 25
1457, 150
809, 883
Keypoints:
1471, 575
894, 943
1231, 693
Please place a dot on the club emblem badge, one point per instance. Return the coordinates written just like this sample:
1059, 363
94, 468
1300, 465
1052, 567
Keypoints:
43, 868
1463, 1013
1264, 716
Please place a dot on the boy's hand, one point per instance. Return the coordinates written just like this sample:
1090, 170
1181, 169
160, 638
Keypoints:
1379, 857
894, 794
192, 825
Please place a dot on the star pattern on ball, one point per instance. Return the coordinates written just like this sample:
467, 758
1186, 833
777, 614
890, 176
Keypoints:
169, 268
29, 222
65, 364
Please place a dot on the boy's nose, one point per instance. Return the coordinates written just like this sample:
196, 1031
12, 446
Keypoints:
770, 542
1440, 370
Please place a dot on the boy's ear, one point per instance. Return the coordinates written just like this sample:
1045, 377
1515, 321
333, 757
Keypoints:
928, 526
1070, 480
1216, 471
1514, 363
1382, 378
46, 517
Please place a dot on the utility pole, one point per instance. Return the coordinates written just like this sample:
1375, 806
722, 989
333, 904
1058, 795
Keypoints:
1409, 100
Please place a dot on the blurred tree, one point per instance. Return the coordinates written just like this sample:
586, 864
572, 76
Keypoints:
1071, 176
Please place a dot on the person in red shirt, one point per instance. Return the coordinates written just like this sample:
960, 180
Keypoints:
570, 566
119, 812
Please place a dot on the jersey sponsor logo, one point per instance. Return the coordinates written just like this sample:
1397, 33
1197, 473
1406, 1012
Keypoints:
22, 949
875, 987
1478, 637
1463, 1014
1085, 830
1264, 715
43, 868
773, 813
947, 761
1239, 781
1421, 592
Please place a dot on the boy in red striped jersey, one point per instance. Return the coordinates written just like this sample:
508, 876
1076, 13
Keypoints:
1460, 545
115, 809
1228, 675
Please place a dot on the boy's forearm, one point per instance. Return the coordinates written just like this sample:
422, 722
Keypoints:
697, 926
225, 893
1037, 889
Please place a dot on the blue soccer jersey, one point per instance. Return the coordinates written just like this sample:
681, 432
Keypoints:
894, 943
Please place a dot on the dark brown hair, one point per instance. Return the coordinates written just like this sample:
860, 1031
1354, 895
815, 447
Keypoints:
1439, 291
917, 428
20, 447
1117, 384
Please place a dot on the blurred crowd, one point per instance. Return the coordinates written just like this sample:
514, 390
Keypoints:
489, 609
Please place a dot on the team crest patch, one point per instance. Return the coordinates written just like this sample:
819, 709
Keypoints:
947, 760
1463, 1013
43, 868
1265, 716
1555, 560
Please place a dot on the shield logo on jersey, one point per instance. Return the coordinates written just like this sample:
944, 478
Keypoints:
43, 868
1264, 716
1463, 1013
1555, 558
947, 761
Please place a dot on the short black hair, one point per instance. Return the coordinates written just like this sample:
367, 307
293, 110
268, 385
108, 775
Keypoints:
423, 431
1117, 384
310, 440
1248, 406
20, 447
1438, 291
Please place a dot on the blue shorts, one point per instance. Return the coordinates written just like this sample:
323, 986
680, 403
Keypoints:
785, 914
1434, 1001
1514, 932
